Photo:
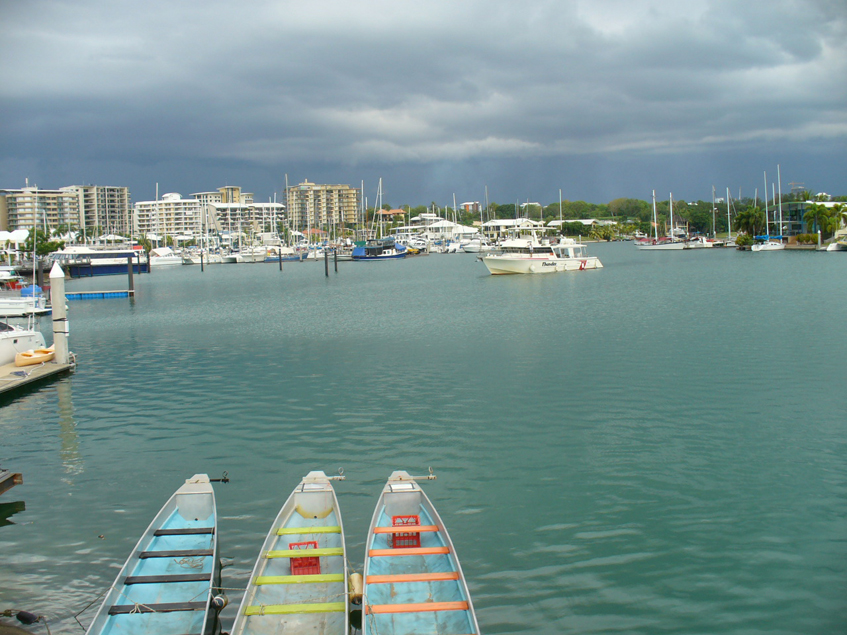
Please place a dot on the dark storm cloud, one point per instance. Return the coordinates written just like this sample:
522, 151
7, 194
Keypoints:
596, 97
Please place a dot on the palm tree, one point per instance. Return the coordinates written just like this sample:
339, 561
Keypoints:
816, 215
751, 221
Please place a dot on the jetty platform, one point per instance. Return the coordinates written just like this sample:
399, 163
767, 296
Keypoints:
13, 378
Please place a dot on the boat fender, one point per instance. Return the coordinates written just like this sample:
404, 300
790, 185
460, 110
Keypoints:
355, 586
219, 602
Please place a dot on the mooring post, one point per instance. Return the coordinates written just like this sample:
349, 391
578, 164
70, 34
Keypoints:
280, 256
335, 258
326, 263
60, 313
201, 262
129, 275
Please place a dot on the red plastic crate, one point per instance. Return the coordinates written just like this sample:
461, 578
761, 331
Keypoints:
404, 539
305, 566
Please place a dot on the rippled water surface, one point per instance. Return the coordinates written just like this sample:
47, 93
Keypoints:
656, 447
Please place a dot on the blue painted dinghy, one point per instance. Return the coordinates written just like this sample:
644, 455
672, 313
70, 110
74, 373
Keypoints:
413, 581
299, 583
166, 586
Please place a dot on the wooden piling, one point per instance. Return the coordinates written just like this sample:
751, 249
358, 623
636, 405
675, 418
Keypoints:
129, 272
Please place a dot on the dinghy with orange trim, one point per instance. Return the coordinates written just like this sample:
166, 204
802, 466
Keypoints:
413, 580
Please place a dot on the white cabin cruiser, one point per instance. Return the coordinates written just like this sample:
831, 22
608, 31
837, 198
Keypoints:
14, 340
527, 255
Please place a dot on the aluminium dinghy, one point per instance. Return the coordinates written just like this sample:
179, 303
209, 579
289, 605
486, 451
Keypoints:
299, 583
167, 585
413, 582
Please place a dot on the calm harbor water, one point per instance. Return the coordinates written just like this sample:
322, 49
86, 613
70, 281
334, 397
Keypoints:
659, 446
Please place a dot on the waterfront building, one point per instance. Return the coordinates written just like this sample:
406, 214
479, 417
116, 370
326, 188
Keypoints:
89, 209
172, 215
103, 209
503, 227
313, 205
29, 207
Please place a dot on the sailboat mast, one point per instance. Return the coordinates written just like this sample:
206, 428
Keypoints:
767, 231
670, 216
714, 226
655, 219
728, 217
779, 184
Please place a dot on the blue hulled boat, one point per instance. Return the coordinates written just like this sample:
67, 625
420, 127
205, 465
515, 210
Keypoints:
167, 585
413, 581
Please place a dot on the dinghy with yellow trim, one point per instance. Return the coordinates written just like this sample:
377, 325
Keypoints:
169, 581
299, 583
35, 356
413, 581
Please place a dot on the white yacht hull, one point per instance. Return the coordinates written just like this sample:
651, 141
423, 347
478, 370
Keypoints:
663, 247
17, 340
768, 246
503, 264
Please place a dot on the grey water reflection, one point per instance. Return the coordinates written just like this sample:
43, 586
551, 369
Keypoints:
69, 438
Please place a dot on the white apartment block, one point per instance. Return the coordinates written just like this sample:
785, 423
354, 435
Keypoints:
170, 216
103, 209
312, 205
252, 218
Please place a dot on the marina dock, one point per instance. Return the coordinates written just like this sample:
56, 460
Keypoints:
9, 479
13, 378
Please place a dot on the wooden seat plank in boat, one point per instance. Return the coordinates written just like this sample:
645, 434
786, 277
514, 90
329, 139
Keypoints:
401, 529
171, 607
312, 553
423, 607
290, 609
299, 579
177, 577
409, 551
185, 531
182, 553
413, 577
295, 531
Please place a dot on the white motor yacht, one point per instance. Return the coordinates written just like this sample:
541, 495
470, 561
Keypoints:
527, 255
164, 257
14, 340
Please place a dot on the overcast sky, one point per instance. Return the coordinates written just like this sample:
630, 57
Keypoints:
598, 98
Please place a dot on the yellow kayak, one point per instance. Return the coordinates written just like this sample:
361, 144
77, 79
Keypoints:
34, 356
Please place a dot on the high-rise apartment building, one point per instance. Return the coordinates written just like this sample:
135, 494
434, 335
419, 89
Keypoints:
45, 209
103, 209
87, 209
313, 205
172, 215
